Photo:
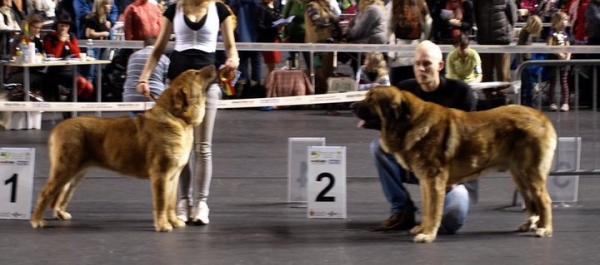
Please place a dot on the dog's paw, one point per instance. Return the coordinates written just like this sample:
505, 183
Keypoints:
62, 215
543, 232
163, 228
529, 225
177, 223
424, 238
37, 223
416, 230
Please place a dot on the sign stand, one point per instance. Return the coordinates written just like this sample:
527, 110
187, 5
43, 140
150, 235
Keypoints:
297, 167
16, 182
326, 182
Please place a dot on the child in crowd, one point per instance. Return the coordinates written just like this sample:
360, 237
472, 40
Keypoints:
559, 37
532, 29
373, 73
463, 63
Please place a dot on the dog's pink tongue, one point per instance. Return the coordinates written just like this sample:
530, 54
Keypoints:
360, 124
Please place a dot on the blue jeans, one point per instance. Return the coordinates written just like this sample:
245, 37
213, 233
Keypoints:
392, 177
528, 79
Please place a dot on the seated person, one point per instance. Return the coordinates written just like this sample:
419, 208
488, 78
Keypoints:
135, 66
464, 63
62, 44
36, 74
373, 73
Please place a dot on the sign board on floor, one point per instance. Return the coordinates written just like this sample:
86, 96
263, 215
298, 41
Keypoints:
326, 182
16, 182
297, 167
568, 156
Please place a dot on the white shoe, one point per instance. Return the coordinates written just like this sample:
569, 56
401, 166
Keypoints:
200, 213
183, 210
564, 107
553, 106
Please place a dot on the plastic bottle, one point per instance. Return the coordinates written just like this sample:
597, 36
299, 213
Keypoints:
90, 49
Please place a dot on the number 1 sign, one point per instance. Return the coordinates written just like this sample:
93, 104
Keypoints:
326, 182
16, 186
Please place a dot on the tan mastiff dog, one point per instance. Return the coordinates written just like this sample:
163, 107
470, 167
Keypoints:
154, 145
444, 146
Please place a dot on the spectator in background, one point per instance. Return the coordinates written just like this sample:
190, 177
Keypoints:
96, 27
8, 18
463, 63
142, 19
409, 23
84, 7
135, 66
368, 26
46, 8
373, 73
495, 21
36, 74
532, 29
322, 26
267, 14
592, 23
62, 44
295, 31
576, 14
559, 37
450, 19
247, 31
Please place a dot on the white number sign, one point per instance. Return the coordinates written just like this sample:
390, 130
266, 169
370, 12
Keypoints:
16, 186
568, 155
297, 168
326, 182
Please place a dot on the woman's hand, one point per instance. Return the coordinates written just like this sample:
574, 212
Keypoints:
232, 63
64, 36
144, 89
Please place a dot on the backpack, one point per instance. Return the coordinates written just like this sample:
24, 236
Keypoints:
409, 27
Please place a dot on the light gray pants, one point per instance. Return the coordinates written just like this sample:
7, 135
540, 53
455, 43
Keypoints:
199, 168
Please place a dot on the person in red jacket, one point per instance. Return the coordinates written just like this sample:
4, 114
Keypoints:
63, 44
141, 20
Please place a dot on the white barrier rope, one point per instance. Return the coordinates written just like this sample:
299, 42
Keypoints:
223, 104
350, 47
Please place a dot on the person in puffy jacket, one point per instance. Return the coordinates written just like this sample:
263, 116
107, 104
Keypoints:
495, 21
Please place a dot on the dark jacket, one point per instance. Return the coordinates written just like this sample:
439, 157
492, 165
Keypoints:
592, 20
266, 16
441, 27
495, 21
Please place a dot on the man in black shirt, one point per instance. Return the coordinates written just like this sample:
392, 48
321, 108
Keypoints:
430, 86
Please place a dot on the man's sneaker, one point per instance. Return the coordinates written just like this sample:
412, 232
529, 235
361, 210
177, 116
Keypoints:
399, 221
553, 106
183, 210
564, 107
200, 213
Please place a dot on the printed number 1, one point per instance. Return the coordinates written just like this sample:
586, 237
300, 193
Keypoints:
13, 180
321, 197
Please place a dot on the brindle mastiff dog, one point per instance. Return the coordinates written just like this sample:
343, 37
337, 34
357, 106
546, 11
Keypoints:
154, 145
444, 146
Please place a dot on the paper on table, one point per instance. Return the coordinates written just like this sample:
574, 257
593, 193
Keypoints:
283, 21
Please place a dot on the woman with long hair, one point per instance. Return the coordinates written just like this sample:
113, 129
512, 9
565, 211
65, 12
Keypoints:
196, 24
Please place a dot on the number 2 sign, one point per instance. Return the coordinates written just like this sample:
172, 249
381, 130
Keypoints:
326, 182
16, 182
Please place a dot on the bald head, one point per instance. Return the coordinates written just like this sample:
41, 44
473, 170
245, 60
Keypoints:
429, 48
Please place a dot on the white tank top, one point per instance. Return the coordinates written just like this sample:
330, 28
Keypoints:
204, 39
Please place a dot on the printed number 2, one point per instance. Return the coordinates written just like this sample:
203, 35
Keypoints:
321, 197
12, 180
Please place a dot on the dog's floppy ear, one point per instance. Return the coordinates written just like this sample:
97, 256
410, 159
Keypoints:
179, 98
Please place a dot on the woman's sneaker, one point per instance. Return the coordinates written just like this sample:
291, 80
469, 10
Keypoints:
553, 106
200, 214
564, 107
183, 210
